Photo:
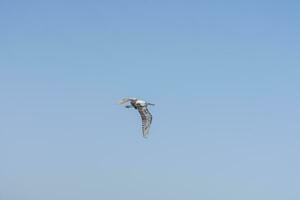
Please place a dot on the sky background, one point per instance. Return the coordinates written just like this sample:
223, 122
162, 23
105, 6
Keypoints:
224, 76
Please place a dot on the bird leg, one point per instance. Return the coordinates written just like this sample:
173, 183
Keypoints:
129, 106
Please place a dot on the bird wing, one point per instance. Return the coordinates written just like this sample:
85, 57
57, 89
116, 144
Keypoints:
146, 119
125, 100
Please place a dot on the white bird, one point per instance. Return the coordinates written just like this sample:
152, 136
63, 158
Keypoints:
142, 107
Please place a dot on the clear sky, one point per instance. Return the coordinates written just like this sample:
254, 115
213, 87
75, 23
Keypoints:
224, 75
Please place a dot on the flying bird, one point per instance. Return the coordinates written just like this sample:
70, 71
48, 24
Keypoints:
142, 107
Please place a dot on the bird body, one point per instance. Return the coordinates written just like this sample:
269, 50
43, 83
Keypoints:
142, 107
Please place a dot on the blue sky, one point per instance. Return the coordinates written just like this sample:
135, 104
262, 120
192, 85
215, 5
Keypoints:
224, 77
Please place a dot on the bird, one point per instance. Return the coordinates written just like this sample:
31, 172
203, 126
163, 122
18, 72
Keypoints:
142, 107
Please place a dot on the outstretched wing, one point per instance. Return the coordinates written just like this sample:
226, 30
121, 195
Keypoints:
125, 100
146, 119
